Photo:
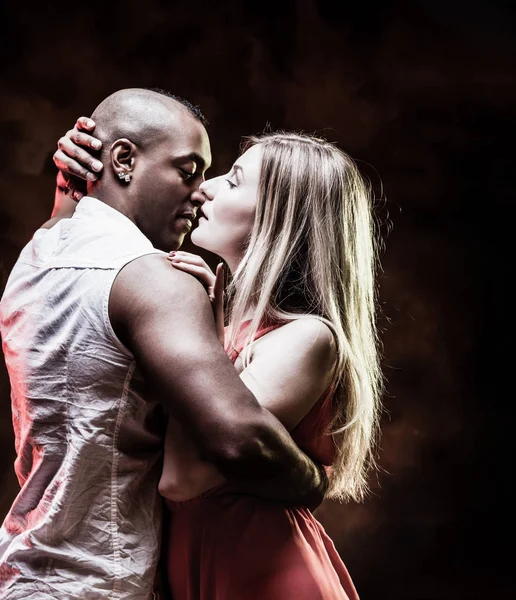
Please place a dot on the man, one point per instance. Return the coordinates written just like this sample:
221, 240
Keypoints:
98, 333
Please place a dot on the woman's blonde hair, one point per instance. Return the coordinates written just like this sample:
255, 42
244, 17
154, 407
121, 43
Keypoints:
312, 252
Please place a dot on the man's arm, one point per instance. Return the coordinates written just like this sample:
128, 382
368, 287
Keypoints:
165, 318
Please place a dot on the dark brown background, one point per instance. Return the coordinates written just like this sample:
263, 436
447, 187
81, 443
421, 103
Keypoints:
422, 94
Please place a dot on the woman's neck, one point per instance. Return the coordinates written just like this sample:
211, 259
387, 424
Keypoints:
233, 262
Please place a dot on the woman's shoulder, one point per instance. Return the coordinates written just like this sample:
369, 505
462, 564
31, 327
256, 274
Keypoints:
306, 336
310, 326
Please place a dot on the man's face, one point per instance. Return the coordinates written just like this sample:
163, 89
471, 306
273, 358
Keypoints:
166, 181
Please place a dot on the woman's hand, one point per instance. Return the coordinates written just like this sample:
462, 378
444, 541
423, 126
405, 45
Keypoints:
213, 282
74, 158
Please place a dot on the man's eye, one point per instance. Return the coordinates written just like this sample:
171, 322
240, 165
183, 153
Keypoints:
186, 174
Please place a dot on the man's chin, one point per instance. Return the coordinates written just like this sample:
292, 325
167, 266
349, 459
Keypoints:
173, 243
176, 243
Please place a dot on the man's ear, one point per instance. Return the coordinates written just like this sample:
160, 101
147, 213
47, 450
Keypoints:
122, 155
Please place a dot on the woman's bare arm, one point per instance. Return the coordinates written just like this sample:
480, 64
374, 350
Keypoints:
64, 205
291, 369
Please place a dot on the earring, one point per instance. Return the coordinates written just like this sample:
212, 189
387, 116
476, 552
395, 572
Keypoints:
125, 176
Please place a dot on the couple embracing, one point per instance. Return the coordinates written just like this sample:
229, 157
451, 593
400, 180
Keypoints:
134, 395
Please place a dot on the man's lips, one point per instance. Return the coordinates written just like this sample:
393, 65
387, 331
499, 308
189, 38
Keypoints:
189, 216
185, 220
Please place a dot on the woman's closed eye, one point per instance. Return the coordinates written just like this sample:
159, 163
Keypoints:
230, 183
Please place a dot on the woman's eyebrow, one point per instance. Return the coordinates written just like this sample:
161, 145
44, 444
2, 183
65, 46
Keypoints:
238, 168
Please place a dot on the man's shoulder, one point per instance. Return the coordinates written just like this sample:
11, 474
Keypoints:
152, 279
150, 295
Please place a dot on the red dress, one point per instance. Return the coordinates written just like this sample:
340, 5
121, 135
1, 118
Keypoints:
225, 546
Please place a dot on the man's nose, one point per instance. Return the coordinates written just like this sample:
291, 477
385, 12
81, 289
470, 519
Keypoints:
197, 198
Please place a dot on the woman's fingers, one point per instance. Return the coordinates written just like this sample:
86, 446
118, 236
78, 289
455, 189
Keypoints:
190, 258
73, 151
73, 187
62, 181
218, 301
83, 139
218, 286
196, 266
76, 195
204, 275
68, 146
72, 159
81, 134
85, 123
68, 165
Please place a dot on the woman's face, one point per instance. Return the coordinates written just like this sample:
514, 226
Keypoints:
227, 216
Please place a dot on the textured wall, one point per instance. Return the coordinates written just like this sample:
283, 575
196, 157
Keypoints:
422, 94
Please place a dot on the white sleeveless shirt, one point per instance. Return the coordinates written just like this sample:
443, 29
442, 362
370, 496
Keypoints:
86, 523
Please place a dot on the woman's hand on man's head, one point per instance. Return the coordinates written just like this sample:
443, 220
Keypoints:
75, 159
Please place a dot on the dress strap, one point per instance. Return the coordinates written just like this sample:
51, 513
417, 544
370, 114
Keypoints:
241, 342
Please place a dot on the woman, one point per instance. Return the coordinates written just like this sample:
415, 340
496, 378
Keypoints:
292, 220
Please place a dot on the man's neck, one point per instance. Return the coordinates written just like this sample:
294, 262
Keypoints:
113, 198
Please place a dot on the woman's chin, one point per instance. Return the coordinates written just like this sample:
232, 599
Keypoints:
198, 239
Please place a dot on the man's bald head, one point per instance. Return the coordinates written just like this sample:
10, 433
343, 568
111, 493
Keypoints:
155, 151
142, 116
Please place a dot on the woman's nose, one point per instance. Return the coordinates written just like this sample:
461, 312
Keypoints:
201, 194
207, 189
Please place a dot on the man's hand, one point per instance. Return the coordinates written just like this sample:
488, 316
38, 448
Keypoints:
165, 318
